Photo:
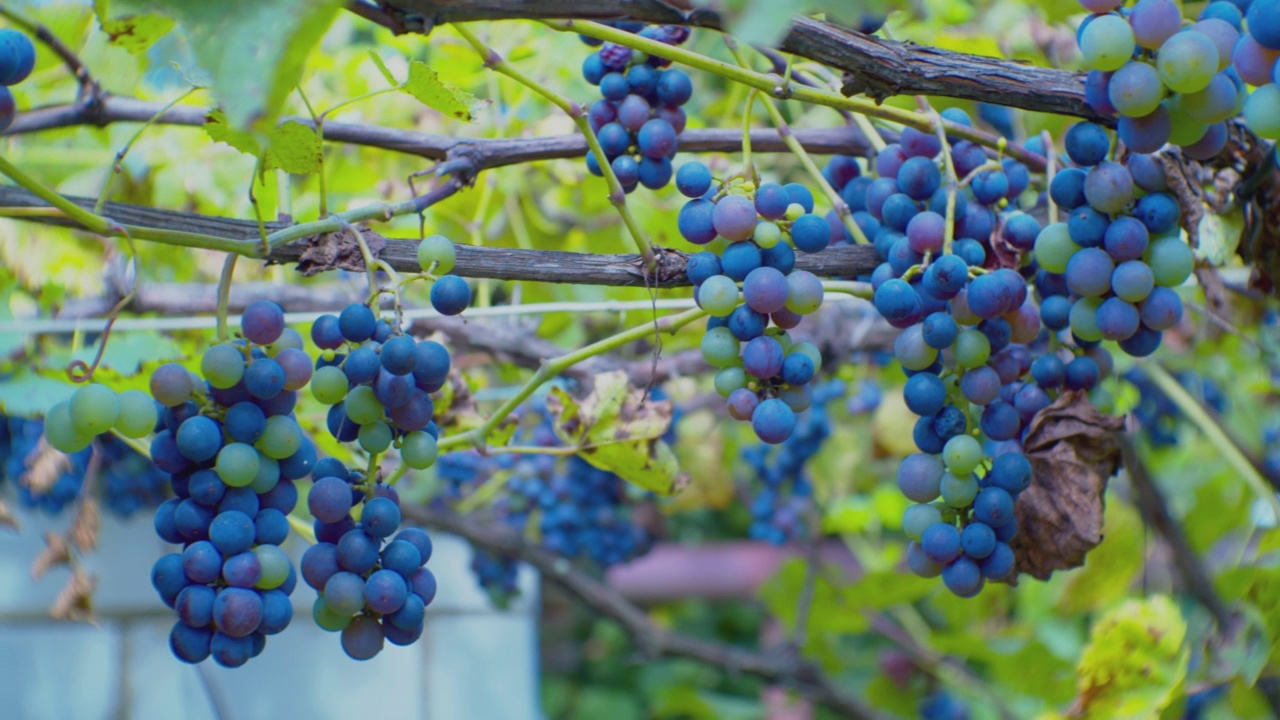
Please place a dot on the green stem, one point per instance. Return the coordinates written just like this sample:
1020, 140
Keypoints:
1050, 169
555, 366
768, 83
617, 195
748, 169
224, 295
1201, 419
371, 94
873, 135
258, 177
115, 166
849, 287
93, 223
318, 119
949, 225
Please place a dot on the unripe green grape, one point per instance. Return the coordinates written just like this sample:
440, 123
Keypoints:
437, 249
327, 619
290, 338
767, 234
1262, 111
730, 379
94, 409
268, 475
1184, 129
918, 517
137, 414
1054, 248
810, 350
794, 211
718, 295
419, 450
962, 454
1171, 261
804, 292
1084, 319
958, 492
237, 464
223, 365
281, 438
275, 566
784, 339
911, 350
329, 385
1107, 43
363, 406
1187, 62
375, 437
61, 433
972, 349
720, 347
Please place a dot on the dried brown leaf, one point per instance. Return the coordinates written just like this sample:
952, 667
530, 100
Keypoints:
75, 601
56, 552
43, 468
86, 524
7, 517
338, 251
1074, 450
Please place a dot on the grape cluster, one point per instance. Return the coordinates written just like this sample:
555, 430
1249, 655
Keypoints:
372, 587
93, 410
233, 449
1158, 415
779, 508
639, 118
763, 373
17, 59
1175, 84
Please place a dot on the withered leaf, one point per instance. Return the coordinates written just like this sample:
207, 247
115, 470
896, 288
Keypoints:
338, 251
1073, 450
43, 468
7, 517
75, 600
56, 552
86, 524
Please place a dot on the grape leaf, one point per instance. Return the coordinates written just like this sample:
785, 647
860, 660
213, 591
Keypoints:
219, 130
425, 85
1134, 661
294, 148
135, 33
616, 429
254, 49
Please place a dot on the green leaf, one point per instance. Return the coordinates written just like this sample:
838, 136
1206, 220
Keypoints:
135, 33
425, 85
616, 429
254, 49
294, 148
219, 130
1135, 660
832, 610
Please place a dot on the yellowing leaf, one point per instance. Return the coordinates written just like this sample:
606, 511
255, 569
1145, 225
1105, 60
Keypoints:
134, 33
616, 429
425, 85
294, 148
1135, 660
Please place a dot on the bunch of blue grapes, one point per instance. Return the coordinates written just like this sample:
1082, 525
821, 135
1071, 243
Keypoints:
17, 60
1119, 252
779, 509
1175, 84
754, 232
233, 449
371, 582
639, 118
1158, 415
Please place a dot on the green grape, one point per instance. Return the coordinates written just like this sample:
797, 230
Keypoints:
94, 409
418, 450
918, 517
718, 295
268, 475
720, 347
910, 349
784, 339
1187, 62
730, 379
326, 619
794, 211
808, 348
137, 414
958, 492
767, 234
362, 406
275, 566
1084, 319
223, 365
290, 338
237, 464
437, 249
375, 437
1184, 129
972, 349
60, 433
1108, 43
962, 454
804, 292
1171, 261
329, 385
1054, 248
1262, 111
281, 438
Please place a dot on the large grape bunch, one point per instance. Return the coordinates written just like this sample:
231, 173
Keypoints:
639, 119
762, 373
17, 60
1175, 84
371, 582
234, 449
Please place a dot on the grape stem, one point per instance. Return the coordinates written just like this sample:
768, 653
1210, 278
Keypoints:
748, 167
617, 195
224, 295
949, 165
1050, 169
116, 165
318, 119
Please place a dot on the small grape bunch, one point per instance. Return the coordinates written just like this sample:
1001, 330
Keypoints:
371, 587
17, 59
639, 119
763, 373
233, 449
95, 409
